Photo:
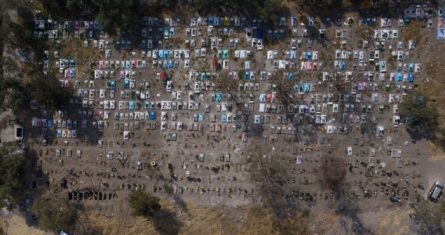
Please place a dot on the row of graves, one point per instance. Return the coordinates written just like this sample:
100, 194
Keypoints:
375, 72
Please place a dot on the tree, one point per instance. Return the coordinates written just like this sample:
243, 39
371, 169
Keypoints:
55, 214
325, 3
144, 204
13, 95
12, 170
270, 11
422, 115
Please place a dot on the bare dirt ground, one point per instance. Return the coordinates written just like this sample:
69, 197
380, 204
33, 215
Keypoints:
388, 220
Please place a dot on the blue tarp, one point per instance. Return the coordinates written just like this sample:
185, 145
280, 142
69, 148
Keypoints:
50, 123
225, 54
254, 23
290, 75
246, 75
341, 65
113, 85
399, 77
294, 21
171, 64
216, 21
210, 21
411, 77
410, 68
441, 28
293, 55
202, 76
200, 117
218, 97
168, 64
368, 21
152, 116
307, 87
259, 33
161, 54
59, 134
131, 105
97, 25
309, 55
224, 118
164, 54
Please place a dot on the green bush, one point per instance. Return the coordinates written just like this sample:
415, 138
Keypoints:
55, 214
144, 204
12, 170
422, 115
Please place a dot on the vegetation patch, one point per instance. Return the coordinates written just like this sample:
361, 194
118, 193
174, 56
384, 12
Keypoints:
422, 115
144, 204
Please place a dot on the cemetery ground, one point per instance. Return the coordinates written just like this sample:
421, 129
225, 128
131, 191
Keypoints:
229, 181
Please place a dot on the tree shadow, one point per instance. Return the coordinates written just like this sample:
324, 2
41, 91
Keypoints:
180, 203
83, 125
35, 184
269, 176
166, 222
92, 132
419, 133
256, 130
348, 208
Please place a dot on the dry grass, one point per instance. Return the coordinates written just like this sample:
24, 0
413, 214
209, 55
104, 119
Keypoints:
363, 31
432, 83
16, 225
203, 220
218, 221
413, 32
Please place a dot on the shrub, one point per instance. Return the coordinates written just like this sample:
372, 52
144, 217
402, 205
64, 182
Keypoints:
422, 115
144, 204
55, 214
